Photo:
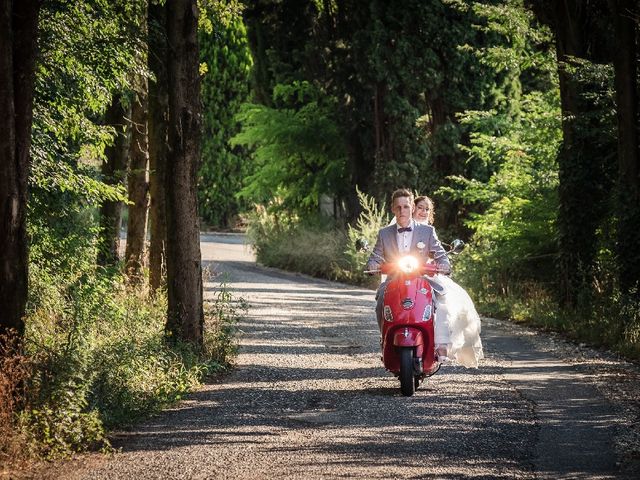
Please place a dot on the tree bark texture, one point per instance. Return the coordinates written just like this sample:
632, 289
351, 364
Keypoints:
114, 172
18, 30
158, 116
184, 270
626, 16
138, 185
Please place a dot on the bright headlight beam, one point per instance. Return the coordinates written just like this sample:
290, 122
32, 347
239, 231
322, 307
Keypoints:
408, 264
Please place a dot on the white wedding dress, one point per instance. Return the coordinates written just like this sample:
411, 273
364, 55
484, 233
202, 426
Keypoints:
457, 323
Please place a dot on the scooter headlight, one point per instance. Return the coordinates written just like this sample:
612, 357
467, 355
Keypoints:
408, 264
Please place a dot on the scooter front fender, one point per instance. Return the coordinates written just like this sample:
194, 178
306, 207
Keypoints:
407, 337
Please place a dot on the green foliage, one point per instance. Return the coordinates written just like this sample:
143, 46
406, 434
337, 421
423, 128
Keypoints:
55, 432
512, 202
510, 266
588, 170
87, 50
514, 236
624, 311
98, 348
334, 256
139, 372
298, 151
426, 80
225, 51
288, 43
521, 38
273, 234
612, 321
221, 318
393, 78
371, 219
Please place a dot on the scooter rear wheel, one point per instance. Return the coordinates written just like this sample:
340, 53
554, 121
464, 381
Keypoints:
407, 385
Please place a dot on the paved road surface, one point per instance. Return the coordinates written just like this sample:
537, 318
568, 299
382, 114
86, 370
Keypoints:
309, 399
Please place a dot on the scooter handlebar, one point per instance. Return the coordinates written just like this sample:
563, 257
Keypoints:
429, 269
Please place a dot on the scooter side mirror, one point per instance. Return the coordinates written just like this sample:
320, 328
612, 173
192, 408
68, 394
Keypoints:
361, 244
457, 246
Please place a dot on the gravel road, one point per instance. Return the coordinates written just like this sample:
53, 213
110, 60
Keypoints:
309, 399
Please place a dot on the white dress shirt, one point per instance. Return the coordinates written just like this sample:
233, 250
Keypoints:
404, 238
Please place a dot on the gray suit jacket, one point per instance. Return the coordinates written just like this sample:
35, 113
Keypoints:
387, 246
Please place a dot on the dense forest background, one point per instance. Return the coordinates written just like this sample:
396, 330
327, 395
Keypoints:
295, 119
520, 118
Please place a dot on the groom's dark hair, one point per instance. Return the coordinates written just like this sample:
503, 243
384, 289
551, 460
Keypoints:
402, 192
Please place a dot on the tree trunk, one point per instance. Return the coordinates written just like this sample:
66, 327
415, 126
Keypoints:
184, 270
386, 171
158, 113
114, 173
583, 178
18, 30
361, 168
138, 186
626, 30
440, 115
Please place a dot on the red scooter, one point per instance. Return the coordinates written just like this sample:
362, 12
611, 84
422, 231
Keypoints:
408, 349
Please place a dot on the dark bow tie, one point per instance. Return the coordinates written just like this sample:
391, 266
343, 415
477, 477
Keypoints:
404, 229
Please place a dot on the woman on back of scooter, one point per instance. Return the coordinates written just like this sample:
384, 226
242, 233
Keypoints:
457, 325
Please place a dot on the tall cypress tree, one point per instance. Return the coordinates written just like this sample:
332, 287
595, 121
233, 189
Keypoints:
397, 76
225, 50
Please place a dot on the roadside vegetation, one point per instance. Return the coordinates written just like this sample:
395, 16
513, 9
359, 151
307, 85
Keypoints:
321, 247
95, 357
95, 354
93, 336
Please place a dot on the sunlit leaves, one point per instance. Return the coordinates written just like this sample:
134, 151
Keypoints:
88, 50
299, 152
515, 232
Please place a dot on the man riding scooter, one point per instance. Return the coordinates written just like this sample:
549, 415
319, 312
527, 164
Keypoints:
408, 237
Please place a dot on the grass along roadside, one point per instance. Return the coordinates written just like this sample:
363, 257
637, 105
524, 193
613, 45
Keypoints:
95, 358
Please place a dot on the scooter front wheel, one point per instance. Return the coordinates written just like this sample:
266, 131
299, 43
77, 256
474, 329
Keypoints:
407, 385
